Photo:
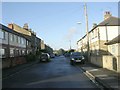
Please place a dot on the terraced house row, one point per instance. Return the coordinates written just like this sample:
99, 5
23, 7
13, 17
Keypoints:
104, 43
17, 42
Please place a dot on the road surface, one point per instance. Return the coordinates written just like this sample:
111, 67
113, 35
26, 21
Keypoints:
55, 74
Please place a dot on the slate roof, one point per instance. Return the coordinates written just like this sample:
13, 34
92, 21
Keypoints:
12, 31
111, 21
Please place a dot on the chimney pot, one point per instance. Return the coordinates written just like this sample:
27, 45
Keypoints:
107, 14
25, 26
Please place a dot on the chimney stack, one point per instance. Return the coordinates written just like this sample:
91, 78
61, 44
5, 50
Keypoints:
25, 26
94, 25
107, 14
10, 26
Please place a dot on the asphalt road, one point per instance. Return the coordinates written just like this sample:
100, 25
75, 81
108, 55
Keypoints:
55, 74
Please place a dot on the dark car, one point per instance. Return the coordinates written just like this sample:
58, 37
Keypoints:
52, 55
45, 57
76, 57
67, 55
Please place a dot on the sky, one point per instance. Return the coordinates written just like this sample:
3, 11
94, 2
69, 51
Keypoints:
56, 22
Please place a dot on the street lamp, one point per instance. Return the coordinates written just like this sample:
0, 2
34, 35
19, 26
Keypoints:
79, 23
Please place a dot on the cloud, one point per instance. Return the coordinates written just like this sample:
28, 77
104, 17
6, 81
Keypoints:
70, 34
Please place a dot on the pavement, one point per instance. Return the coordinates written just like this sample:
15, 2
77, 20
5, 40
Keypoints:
106, 78
13, 70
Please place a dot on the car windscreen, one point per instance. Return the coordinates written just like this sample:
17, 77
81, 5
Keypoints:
75, 54
44, 55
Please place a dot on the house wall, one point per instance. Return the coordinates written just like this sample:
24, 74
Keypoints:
5, 40
111, 62
13, 61
21, 41
101, 54
114, 53
114, 49
112, 32
98, 39
42, 44
108, 62
9, 48
118, 64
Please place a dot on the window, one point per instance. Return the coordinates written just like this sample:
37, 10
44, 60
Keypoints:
27, 43
23, 52
20, 52
96, 32
11, 37
11, 52
22, 41
113, 48
15, 38
18, 39
97, 52
27, 51
2, 34
17, 52
2, 52
92, 35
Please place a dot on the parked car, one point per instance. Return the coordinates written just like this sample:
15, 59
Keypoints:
45, 57
67, 55
76, 57
52, 55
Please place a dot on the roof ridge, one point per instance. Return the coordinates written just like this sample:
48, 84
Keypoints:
108, 20
115, 17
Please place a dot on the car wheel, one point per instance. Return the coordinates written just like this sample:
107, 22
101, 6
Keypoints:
47, 60
83, 62
72, 63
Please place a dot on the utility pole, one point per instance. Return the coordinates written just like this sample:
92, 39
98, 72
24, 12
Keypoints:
70, 44
87, 34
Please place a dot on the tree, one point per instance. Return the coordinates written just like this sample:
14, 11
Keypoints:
61, 51
72, 50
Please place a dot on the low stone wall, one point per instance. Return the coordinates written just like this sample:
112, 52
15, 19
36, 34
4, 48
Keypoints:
97, 60
6, 63
107, 61
112, 63
13, 61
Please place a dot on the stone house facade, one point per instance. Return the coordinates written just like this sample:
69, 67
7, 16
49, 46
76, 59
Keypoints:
98, 36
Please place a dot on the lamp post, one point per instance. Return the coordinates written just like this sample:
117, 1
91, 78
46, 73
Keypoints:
87, 32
